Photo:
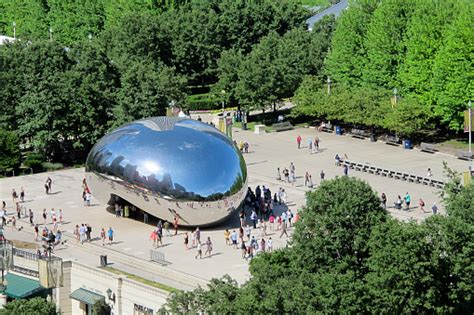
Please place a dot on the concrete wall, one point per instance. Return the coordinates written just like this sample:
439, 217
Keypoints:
129, 294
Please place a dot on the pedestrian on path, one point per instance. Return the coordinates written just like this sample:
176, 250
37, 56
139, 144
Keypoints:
186, 240
22, 194
166, 225
322, 175
208, 247
346, 170
283, 230
30, 216
434, 208
278, 174
227, 237
422, 205
199, 251
102, 236
110, 235
36, 232
407, 201
383, 198
175, 224
298, 141
269, 245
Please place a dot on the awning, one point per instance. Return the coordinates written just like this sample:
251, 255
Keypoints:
86, 296
19, 287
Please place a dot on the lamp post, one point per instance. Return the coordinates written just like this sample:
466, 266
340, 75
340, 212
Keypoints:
14, 29
329, 85
469, 108
223, 101
50, 34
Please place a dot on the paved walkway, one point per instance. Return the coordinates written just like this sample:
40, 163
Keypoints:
268, 151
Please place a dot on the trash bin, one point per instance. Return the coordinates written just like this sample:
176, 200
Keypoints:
338, 130
407, 144
103, 260
373, 138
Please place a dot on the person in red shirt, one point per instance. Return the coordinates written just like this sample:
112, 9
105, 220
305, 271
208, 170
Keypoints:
298, 140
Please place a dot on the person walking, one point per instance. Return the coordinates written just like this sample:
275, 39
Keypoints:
227, 237
36, 232
269, 245
310, 144
175, 224
208, 247
322, 175
383, 198
434, 208
199, 251
253, 218
186, 240
166, 226
283, 230
110, 235
76, 233
422, 205
278, 174
45, 216
298, 141
346, 170
22, 194
14, 223
407, 201
102, 236
30, 216
233, 238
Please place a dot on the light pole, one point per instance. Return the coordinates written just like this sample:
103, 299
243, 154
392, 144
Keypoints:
329, 85
223, 101
50, 34
469, 113
14, 29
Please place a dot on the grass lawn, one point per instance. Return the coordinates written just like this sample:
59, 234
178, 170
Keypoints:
158, 285
312, 3
456, 144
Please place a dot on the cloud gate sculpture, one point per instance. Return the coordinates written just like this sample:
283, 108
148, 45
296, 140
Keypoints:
169, 166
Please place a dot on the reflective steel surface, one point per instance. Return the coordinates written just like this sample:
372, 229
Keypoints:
167, 166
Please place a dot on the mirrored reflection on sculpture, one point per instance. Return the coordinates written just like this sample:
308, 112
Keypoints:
169, 166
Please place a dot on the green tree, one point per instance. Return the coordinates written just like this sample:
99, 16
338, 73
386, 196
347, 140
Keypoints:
424, 37
227, 72
146, 90
346, 60
10, 155
91, 84
101, 308
29, 16
138, 36
385, 43
29, 306
43, 107
453, 80
408, 117
259, 76
73, 21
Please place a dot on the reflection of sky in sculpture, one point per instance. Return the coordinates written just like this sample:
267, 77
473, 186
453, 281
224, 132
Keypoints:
180, 157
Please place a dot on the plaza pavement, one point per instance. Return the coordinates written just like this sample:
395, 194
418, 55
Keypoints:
267, 152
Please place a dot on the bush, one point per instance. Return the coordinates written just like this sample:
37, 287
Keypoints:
203, 102
34, 160
48, 166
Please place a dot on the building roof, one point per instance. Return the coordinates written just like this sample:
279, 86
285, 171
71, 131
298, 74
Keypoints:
86, 296
19, 287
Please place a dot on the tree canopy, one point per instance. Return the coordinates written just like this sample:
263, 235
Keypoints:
348, 255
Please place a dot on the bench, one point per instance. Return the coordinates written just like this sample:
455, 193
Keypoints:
359, 133
282, 126
393, 140
464, 155
158, 257
326, 128
427, 147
